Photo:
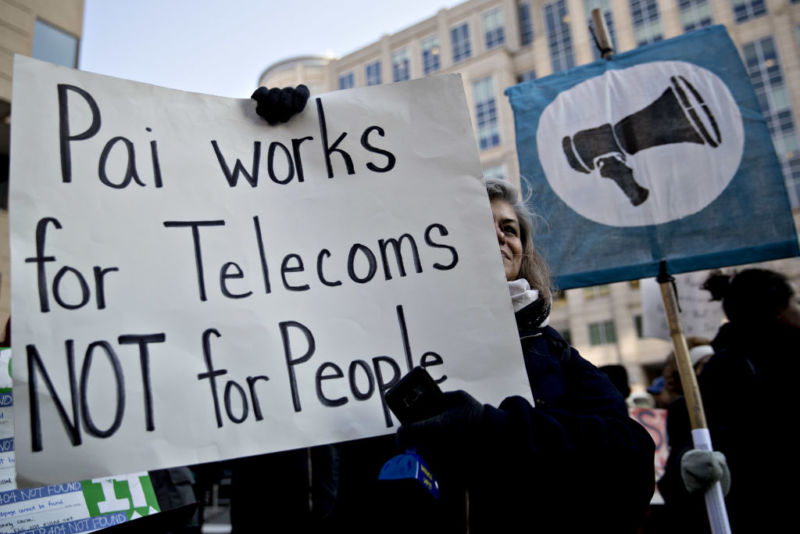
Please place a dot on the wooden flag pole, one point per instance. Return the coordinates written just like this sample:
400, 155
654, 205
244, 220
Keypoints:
602, 39
715, 501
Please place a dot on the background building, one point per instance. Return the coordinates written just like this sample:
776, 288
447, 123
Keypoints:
46, 30
498, 43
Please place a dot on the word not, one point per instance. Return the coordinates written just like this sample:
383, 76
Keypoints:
358, 254
78, 388
292, 161
66, 137
41, 259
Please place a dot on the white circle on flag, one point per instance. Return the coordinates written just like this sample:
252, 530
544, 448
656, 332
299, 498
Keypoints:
644, 145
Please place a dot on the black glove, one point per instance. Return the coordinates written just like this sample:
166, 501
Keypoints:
279, 105
700, 469
447, 436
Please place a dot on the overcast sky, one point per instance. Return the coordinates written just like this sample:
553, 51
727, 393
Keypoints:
221, 47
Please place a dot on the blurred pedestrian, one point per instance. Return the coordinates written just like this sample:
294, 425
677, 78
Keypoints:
747, 388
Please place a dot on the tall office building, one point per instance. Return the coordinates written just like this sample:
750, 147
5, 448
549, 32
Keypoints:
498, 43
46, 30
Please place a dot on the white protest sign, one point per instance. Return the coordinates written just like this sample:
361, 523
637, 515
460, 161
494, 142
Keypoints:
190, 284
700, 316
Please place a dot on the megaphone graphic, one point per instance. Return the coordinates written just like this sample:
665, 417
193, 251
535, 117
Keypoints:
679, 115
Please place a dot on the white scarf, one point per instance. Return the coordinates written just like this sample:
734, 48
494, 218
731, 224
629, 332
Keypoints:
522, 295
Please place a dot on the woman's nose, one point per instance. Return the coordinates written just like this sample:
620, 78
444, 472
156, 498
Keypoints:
501, 237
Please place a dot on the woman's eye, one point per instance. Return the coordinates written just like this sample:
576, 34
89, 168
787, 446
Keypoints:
510, 230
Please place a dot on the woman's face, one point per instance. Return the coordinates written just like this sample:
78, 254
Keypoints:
506, 226
791, 313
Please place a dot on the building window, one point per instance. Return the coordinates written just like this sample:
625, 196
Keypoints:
347, 80
748, 9
646, 23
526, 76
493, 29
400, 65
525, 23
497, 172
637, 323
459, 37
593, 292
54, 45
486, 113
763, 66
602, 333
373, 71
559, 38
431, 54
605, 7
695, 14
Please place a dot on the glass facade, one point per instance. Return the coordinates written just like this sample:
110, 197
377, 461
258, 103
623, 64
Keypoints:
525, 23
559, 38
493, 29
695, 14
496, 171
646, 22
347, 80
53, 45
763, 66
486, 113
459, 38
373, 73
431, 54
602, 333
748, 9
400, 65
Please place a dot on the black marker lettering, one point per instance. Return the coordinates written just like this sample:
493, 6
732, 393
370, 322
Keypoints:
130, 171
144, 362
88, 423
35, 367
390, 159
328, 149
290, 362
443, 232
65, 137
198, 258
238, 168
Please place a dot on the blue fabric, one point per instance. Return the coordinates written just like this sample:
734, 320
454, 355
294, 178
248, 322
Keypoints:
748, 221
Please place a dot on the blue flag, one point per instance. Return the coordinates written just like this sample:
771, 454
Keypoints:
660, 153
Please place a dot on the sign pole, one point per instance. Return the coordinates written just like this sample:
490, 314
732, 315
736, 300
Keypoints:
601, 37
715, 501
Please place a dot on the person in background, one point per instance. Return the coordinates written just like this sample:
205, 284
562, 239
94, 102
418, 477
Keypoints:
747, 388
573, 462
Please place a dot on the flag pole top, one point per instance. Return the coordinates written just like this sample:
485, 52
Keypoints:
601, 37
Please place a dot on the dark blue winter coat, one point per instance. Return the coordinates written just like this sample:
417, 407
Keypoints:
576, 462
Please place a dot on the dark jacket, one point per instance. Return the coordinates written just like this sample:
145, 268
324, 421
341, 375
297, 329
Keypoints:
748, 391
576, 462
